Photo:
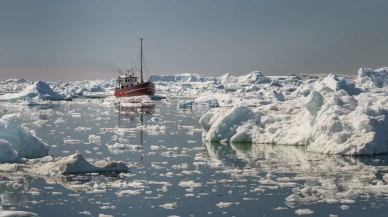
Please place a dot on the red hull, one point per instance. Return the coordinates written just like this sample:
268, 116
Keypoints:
146, 88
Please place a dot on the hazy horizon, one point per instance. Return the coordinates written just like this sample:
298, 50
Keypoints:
78, 40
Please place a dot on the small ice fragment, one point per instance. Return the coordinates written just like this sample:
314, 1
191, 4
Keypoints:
169, 205
304, 212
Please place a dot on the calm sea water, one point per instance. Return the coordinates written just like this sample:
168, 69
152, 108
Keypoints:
162, 161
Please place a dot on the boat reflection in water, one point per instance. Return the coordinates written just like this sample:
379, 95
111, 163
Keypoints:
132, 113
133, 116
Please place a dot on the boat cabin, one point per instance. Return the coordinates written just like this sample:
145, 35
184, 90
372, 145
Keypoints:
126, 81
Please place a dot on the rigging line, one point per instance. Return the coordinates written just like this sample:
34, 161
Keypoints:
146, 66
138, 58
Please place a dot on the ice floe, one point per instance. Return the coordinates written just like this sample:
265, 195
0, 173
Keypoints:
10, 213
77, 164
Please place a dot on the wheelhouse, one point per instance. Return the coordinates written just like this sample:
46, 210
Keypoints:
126, 81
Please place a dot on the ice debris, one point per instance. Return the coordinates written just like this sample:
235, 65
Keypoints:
77, 164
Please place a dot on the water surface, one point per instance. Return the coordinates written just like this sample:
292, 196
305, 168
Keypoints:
171, 165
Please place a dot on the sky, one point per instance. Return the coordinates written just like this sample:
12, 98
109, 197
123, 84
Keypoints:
92, 39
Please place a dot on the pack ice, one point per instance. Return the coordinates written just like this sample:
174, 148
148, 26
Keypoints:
32, 93
331, 115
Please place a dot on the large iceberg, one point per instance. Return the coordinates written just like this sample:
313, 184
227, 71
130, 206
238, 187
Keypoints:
23, 141
326, 115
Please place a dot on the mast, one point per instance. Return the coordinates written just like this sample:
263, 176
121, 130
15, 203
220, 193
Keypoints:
141, 60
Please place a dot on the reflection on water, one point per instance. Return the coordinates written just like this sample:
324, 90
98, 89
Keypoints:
250, 177
13, 192
136, 109
134, 113
332, 178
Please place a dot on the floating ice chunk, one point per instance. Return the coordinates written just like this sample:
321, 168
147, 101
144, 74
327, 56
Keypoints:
59, 120
85, 213
180, 166
72, 141
118, 148
269, 176
154, 147
7, 213
154, 128
103, 215
293, 198
190, 184
306, 190
94, 139
225, 204
186, 172
169, 205
304, 212
350, 194
77, 164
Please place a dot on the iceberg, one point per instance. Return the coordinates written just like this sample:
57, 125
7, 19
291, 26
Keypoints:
10, 213
23, 141
326, 115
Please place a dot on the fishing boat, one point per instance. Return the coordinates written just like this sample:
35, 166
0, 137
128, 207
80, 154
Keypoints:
128, 85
